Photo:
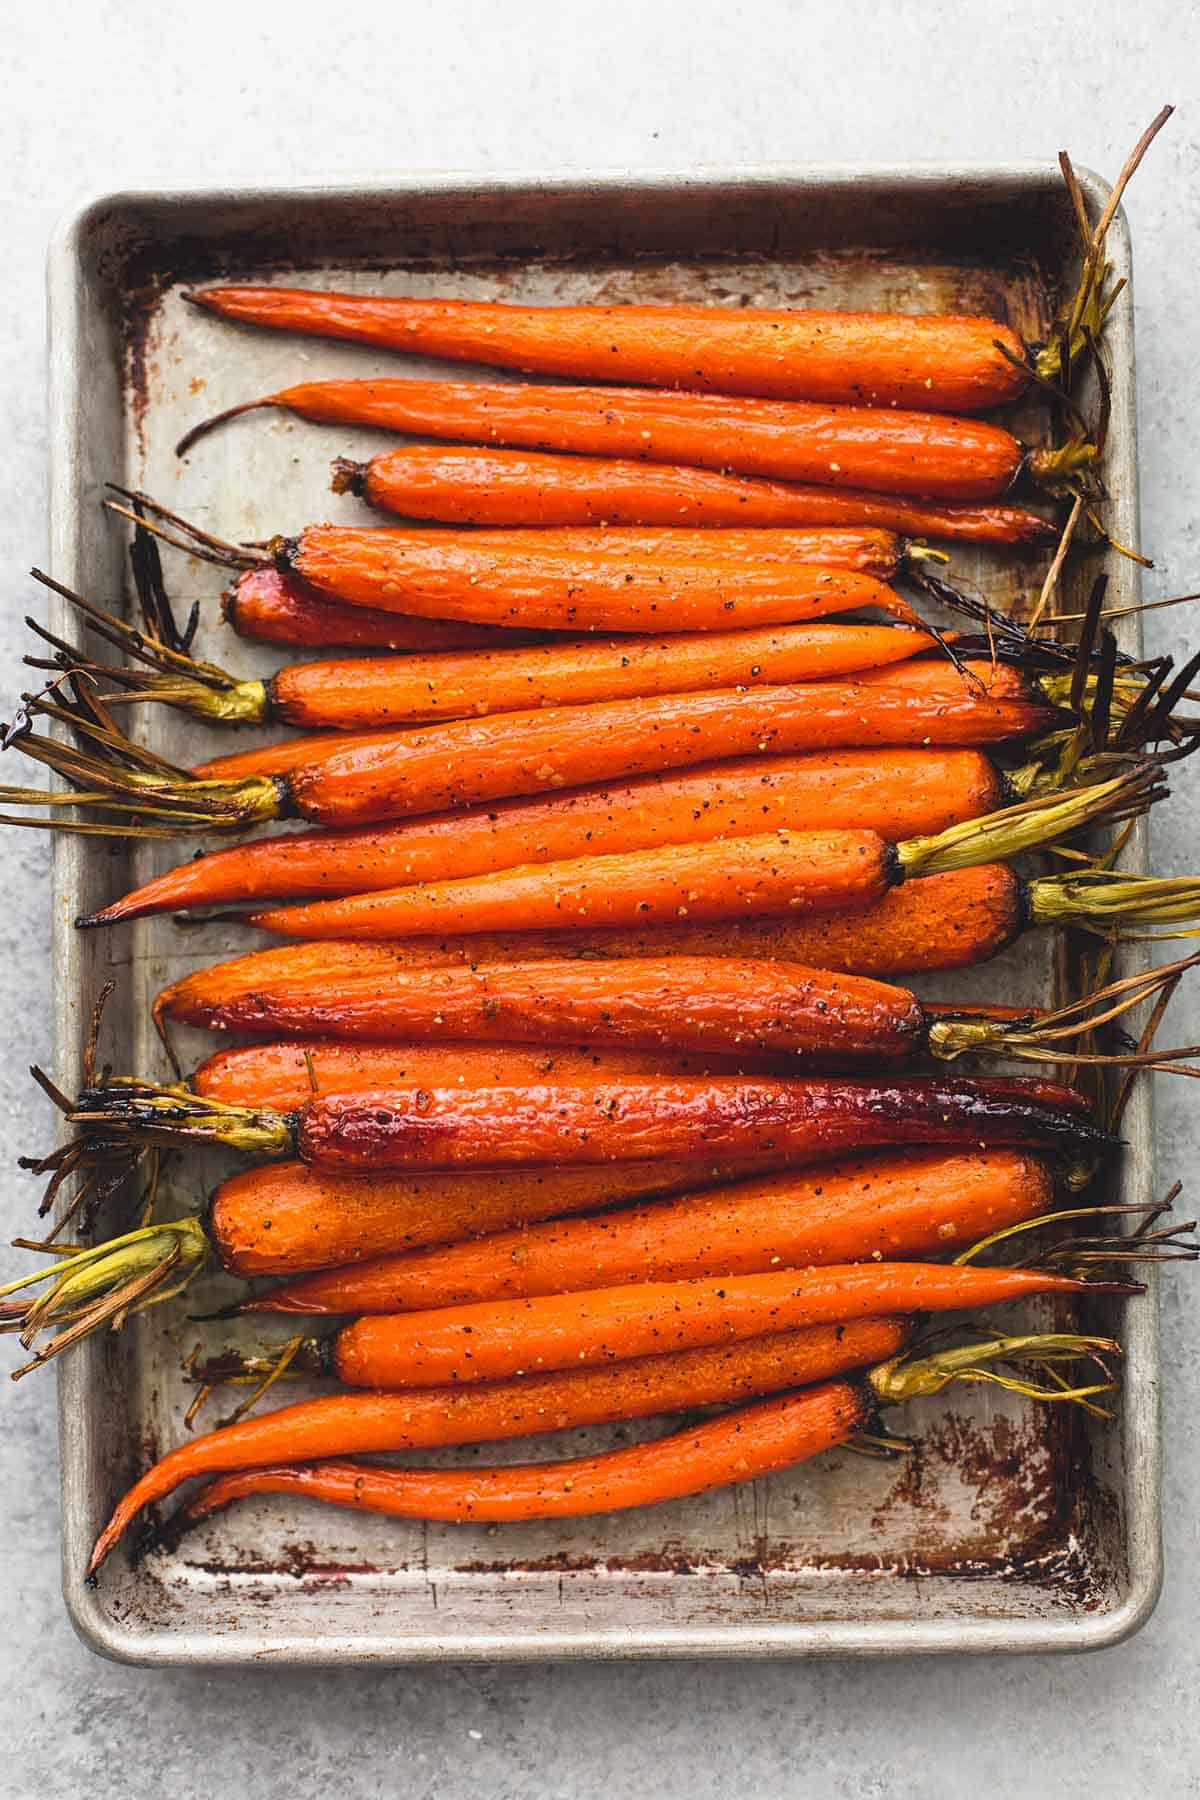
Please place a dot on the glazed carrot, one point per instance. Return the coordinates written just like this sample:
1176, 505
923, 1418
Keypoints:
284, 1218
915, 454
283, 1076
675, 1118
341, 1424
781, 874
353, 694
470, 485
272, 608
430, 769
434, 768
941, 362
915, 1203
900, 794
500, 1338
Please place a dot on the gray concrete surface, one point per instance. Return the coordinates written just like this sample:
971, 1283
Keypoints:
125, 93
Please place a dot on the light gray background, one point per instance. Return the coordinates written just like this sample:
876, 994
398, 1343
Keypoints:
107, 95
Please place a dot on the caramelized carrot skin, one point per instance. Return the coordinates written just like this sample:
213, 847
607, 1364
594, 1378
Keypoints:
483, 486
390, 571
784, 874
282, 1077
500, 1338
751, 1442
272, 608
285, 1218
352, 694
913, 454
459, 764
436, 1128
358, 1423
902, 794
938, 362
913, 1203
702, 1004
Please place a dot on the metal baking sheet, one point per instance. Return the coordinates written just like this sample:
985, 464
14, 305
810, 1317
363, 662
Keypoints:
1010, 1528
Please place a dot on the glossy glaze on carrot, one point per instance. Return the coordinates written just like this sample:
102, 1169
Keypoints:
286, 1218
365, 693
433, 768
944, 362
500, 1338
900, 793
536, 587
472, 485
706, 1118
914, 454
914, 1203
700, 1004
358, 1423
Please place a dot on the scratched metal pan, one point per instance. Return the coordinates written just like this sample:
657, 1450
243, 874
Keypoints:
1010, 1528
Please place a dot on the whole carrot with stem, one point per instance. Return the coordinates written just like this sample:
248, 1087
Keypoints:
917, 456
355, 1423
464, 762
748, 1443
706, 1005
498, 1339
344, 694
916, 1203
781, 874
474, 485
671, 1119
545, 580
905, 793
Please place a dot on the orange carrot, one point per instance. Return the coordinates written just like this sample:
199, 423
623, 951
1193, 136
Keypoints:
939, 362
638, 1120
284, 1218
901, 794
283, 1076
914, 1203
272, 608
470, 485
341, 1424
912, 454
500, 1338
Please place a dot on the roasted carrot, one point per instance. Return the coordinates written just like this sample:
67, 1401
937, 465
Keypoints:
900, 794
271, 608
500, 1338
470, 485
915, 454
342, 1424
352, 694
434, 768
282, 1076
915, 1203
672, 1119
940, 362
285, 1219
750, 1442
781, 874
